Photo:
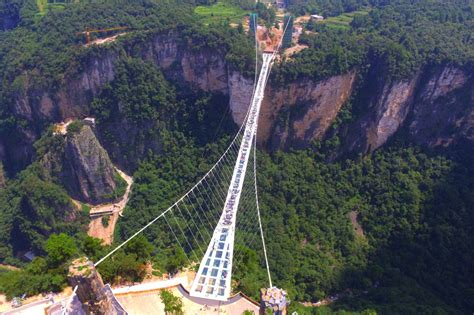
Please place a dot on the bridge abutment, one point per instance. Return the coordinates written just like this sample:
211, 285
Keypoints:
91, 290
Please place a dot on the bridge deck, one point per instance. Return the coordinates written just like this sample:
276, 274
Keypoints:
213, 280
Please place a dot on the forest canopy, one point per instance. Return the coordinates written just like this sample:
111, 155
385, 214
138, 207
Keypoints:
400, 37
390, 232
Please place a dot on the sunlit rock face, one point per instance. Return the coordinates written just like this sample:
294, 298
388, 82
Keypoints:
443, 112
434, 105
81, 165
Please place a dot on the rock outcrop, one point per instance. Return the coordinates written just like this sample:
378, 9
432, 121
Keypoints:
88, 173
80, 164
303, 111
240, 95
392, 109
443, 113
386, 111
203, 69
93, 297
3, 182
434, 106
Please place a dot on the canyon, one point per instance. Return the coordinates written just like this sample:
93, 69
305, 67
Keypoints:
434, 107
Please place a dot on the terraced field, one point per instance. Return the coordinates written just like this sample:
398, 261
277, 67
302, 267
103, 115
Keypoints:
344, 20
44, 6
219, 12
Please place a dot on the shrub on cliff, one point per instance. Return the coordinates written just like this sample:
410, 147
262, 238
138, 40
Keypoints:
75, 127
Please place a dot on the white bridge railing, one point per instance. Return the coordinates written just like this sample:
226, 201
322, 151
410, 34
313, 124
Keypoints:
213, 280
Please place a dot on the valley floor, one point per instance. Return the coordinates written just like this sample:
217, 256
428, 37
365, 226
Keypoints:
96, 227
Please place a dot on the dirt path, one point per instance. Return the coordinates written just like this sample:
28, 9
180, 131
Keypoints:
9, 267
101, 41
294, 49
112, 211
61, 128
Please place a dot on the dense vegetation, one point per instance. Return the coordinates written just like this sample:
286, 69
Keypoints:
415, 211
399, 37
405, 202
40, 54
390, 232
32, 208
173, 304
43, 274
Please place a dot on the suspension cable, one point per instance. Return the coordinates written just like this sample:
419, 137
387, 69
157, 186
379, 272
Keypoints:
192, 188
258, 207
69, 301
207, 174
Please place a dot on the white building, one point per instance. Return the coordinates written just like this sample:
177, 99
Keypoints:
89, 121
316, 17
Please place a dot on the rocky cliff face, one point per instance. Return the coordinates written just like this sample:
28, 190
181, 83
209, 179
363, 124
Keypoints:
88, 173
444, 109
83, 167
203, 69
294, 114
434, 106
303, 111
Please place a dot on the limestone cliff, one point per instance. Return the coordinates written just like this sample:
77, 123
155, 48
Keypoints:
72, 97
83, 167
9, 15
443, 112
240, 95
387, 107
303, 111
88, 172
434, 106
295, 113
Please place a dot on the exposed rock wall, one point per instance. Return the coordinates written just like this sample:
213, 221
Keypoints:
81, 165
88, 172
73, 97
9, 15
204, 69
435, 105
292, 115
444, 109
392, 110
309, 110
240, 95
2, 177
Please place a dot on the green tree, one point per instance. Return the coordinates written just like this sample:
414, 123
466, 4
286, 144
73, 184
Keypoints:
141, 247
173, 304
92, 247
60, 248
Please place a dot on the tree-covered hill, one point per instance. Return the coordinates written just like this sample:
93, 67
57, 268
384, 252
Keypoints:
399, 36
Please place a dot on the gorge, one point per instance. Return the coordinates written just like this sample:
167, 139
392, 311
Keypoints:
365, 142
